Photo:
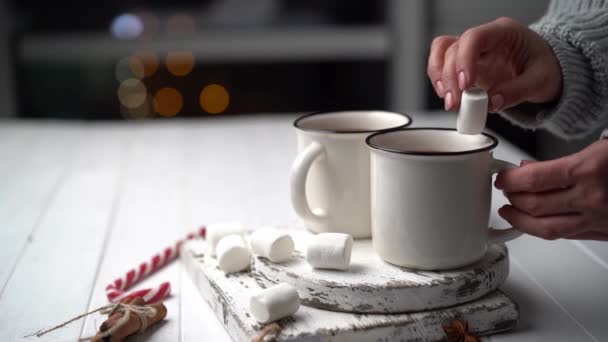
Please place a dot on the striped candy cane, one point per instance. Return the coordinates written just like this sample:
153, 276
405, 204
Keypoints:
116, 291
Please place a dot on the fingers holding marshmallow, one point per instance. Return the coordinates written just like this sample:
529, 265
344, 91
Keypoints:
272, 243
330, 250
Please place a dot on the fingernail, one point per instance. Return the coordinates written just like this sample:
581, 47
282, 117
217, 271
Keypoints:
439, 86
448, 101
462, 80
497, 102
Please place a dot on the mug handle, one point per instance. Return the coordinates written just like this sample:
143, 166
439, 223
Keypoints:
297, 181
502, 235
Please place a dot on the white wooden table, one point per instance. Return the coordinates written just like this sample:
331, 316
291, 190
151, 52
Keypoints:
80, 203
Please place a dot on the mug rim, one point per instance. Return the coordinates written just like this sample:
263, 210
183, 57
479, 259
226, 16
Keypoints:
306, 116
371, 145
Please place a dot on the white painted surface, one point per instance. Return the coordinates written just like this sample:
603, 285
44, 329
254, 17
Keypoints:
143, 185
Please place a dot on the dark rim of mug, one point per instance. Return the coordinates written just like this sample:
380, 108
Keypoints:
298, 120
422, 153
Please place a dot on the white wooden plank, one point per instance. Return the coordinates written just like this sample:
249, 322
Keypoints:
541, 318
597, 250
148, 219
569, 276
238, 170
30, 172
53, 279
198, 322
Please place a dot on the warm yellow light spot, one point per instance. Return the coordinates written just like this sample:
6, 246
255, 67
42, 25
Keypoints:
168, 102
131, 93
149, 59
180, 63
129, 68
180, 23
214, 99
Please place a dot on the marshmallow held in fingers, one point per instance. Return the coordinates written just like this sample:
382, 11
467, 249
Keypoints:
274, 303
272, 243
233, 254
216, 231
473, 111
330, 250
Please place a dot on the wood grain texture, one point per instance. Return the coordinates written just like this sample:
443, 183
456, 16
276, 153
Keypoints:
228, 295
56, 183
57, 268
374, 286
147, 219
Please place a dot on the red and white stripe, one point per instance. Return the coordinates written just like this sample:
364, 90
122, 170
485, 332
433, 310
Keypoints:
116, 291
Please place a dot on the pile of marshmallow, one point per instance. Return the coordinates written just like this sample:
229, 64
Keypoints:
227, 242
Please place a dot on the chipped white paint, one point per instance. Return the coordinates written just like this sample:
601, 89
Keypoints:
371, 285
229, 297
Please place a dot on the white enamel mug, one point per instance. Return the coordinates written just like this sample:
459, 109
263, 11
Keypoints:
329, 179
431, 194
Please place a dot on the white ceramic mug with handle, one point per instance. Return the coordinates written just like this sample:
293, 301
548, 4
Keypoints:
431, 194
329, 179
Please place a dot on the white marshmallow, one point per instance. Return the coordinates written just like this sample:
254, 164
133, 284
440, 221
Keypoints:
274, 303
233, 254
216, 231
272, 243
473, 111
330, 250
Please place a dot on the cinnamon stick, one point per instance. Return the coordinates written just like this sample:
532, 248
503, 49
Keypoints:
132, 326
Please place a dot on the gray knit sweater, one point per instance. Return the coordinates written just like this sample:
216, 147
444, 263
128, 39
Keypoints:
577, 30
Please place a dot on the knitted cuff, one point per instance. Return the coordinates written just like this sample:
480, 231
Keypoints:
567, 117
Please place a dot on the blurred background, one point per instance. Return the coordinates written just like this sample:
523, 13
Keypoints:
159, 59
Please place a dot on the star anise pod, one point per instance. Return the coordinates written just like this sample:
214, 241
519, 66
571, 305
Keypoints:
458, 331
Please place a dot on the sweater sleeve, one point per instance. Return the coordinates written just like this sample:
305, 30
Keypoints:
577, 31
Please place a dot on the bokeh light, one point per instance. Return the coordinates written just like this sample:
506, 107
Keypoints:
168, 101
126, 26
151, 23
214, 99
149, 59
180, 23
131, 93
129, 67
180, 63
141, 112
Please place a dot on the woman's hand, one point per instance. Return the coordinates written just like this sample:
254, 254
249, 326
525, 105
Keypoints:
561, 198
512, 62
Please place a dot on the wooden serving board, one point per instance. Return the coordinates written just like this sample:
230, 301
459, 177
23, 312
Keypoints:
374, 286
228, 296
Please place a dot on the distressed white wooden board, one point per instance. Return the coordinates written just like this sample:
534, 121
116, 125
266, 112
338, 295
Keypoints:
229, 296
371, 285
